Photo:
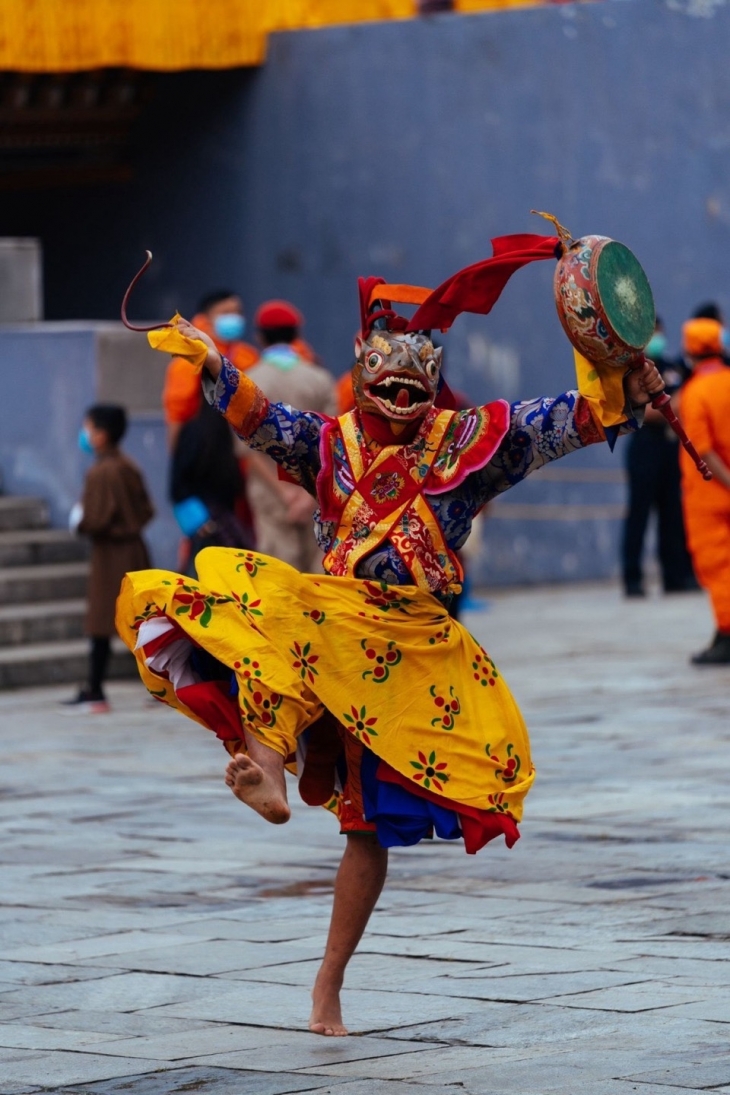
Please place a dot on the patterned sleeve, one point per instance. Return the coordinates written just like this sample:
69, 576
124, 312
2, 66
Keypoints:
288, 436
542, 430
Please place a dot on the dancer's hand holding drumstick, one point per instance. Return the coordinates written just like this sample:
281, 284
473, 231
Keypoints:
644, 383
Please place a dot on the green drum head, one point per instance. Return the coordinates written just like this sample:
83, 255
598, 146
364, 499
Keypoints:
625, 295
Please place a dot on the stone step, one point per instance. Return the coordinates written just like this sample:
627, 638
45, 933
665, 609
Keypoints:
29, 547
58, 663
48, 582
22, 513
42, 622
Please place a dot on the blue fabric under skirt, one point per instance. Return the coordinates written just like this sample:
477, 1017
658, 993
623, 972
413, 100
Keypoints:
402, 818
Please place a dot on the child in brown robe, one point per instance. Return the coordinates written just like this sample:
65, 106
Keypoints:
115, 508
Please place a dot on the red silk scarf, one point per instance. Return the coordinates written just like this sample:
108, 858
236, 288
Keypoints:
477, 288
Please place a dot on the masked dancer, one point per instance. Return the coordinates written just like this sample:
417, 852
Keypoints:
358, 680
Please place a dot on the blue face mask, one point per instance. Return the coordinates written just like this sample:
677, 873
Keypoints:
229, 326
656, 346
85, 442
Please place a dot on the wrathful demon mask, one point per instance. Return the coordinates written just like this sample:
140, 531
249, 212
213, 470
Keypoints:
396, 375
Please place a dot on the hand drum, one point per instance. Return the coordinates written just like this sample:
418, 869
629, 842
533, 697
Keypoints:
606, 307
604, 301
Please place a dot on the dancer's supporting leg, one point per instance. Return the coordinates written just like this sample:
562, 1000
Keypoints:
358, 885
258, 780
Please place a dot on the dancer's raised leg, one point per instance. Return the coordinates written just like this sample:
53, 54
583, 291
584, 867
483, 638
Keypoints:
358, 886
258, 780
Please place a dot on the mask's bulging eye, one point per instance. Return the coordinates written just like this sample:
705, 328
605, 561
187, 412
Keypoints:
373, 362
431, 368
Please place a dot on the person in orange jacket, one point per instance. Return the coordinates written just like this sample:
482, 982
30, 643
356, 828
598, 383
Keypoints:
220, 315
705, 413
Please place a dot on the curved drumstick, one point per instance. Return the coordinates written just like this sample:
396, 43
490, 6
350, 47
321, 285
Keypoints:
663, 404
125, 301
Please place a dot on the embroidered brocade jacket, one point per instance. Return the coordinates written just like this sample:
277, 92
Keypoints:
481, 453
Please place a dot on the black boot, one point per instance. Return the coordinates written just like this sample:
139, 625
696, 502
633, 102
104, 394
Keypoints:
717, 653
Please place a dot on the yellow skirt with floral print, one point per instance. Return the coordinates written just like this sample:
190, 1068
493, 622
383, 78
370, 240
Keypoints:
254, 643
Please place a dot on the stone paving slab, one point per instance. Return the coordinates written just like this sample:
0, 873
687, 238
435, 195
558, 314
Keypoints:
685, 971
558, 1075
698, 951
716, 1009
375, 1087
369, 971
92, 948
702, 1074
205, 1080
155, 938
642, 996
324, 1056
118, 992
19, 1036
117, 1024
586, 1087
530, 956
42, 973
628, 1087
214, 956
266, 931
551, 1027
63, 1068
213, 1038
427, 1064
273, 1005
503, 985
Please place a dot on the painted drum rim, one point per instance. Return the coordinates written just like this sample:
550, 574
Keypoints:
573, 276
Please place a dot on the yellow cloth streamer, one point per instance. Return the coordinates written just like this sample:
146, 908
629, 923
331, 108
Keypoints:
172, 341
603, 387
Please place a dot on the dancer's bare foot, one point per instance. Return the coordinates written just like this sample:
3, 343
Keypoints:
326, 1017
259, 788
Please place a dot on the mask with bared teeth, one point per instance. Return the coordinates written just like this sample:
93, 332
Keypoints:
396, 375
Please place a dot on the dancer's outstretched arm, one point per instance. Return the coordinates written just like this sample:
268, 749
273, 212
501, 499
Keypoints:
543, 430
289, 436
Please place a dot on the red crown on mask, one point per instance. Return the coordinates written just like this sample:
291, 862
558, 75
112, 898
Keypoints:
376, 296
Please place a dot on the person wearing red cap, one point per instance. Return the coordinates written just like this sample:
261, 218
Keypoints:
705, 413
282, 510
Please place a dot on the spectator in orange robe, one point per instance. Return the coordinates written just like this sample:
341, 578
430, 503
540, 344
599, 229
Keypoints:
221, 316
705, 413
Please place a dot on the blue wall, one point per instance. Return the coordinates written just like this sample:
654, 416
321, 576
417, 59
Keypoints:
399, 149
47, 379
